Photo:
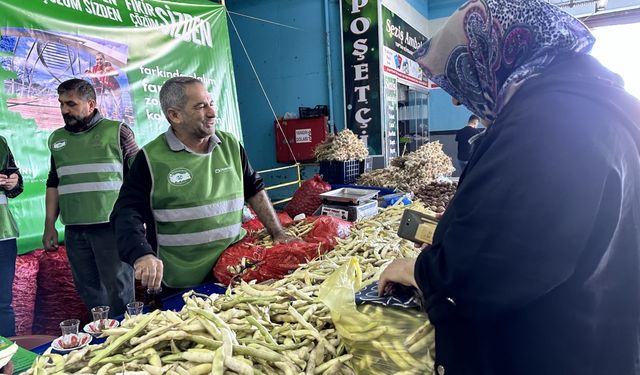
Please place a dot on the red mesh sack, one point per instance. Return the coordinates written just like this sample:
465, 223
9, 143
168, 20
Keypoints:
326, 229
25, 286
57, 298
281, 259
306, 199
231, 266
255, 225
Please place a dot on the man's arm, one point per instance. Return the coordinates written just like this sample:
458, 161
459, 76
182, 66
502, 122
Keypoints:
257, 197
128, 145
130, 213
50, 236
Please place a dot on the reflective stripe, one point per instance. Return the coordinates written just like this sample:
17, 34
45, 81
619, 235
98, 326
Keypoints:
190, 239
3, 199
89, 168
89, 186
200, 212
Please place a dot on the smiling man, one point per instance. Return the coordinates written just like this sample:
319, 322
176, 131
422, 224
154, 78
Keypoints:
188, 187
89, 157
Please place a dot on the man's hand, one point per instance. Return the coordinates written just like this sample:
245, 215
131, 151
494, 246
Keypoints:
8, 182
149, 271
50, 238
283, 237
399, 271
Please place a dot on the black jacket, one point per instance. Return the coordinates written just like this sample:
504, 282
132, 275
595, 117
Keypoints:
535, 265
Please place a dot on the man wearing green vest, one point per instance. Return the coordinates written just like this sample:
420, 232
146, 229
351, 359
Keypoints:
10, 187
188, 186
89, 157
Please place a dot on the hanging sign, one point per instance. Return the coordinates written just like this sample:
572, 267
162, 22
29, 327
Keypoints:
391, 115
361, 59
400, 41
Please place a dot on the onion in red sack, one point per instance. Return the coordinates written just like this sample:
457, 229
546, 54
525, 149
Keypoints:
239, 261
307, 199
25, 285
255, 225
57, 298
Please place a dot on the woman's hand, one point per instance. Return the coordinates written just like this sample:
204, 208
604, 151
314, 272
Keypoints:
399, 271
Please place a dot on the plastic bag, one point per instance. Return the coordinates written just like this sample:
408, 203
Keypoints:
382, 340
306, 199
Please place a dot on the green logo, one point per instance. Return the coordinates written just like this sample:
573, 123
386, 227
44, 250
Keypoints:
59, 145
180, 176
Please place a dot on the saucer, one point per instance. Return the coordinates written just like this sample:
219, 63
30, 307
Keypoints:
83, 340
92, 328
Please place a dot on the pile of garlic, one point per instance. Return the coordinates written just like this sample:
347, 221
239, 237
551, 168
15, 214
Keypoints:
411, 173
341, 147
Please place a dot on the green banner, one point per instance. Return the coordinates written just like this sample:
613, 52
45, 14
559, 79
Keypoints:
361, 59
127, 49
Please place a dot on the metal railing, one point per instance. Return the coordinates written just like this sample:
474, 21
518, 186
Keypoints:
298, 181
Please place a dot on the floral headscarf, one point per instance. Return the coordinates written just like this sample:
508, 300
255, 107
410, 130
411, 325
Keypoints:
488, 48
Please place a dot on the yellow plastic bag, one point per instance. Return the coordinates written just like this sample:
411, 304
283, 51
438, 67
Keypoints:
382, 340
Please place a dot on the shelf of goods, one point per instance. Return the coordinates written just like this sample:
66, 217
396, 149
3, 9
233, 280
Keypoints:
279, 328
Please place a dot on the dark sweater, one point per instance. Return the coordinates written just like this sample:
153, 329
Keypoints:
462, 137
535, 265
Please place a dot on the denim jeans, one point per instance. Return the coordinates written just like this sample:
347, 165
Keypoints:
98, 274
8, 253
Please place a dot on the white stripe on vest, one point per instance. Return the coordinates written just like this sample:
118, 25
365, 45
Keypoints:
89, 186
200, 212
190, 239
89, 168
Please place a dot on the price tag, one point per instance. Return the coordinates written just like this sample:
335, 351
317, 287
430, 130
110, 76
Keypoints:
303, 135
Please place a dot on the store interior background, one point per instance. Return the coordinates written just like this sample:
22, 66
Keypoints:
295, 47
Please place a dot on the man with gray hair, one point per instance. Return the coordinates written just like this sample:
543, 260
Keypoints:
188, 186
89, 157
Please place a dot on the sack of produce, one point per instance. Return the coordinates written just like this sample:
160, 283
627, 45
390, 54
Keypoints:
255, 224
281, 259
326, 231
57, 298
256, 257
25, 285
239, 261
382, 340
306, 199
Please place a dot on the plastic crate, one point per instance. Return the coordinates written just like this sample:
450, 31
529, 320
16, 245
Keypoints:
340, 172
317, 111
366, 165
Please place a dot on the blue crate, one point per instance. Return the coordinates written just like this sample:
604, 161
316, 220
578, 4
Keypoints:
340, 172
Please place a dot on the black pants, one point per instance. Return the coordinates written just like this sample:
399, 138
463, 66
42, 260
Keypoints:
8, 252
98, 274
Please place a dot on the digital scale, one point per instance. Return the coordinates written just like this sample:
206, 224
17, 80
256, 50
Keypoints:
349, 203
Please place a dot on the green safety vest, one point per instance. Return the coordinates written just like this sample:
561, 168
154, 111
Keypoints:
8, 226
89, 166
197, 202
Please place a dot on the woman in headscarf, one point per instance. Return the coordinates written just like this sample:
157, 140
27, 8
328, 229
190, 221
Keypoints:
534, 268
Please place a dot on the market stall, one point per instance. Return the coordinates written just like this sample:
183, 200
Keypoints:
290, 325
